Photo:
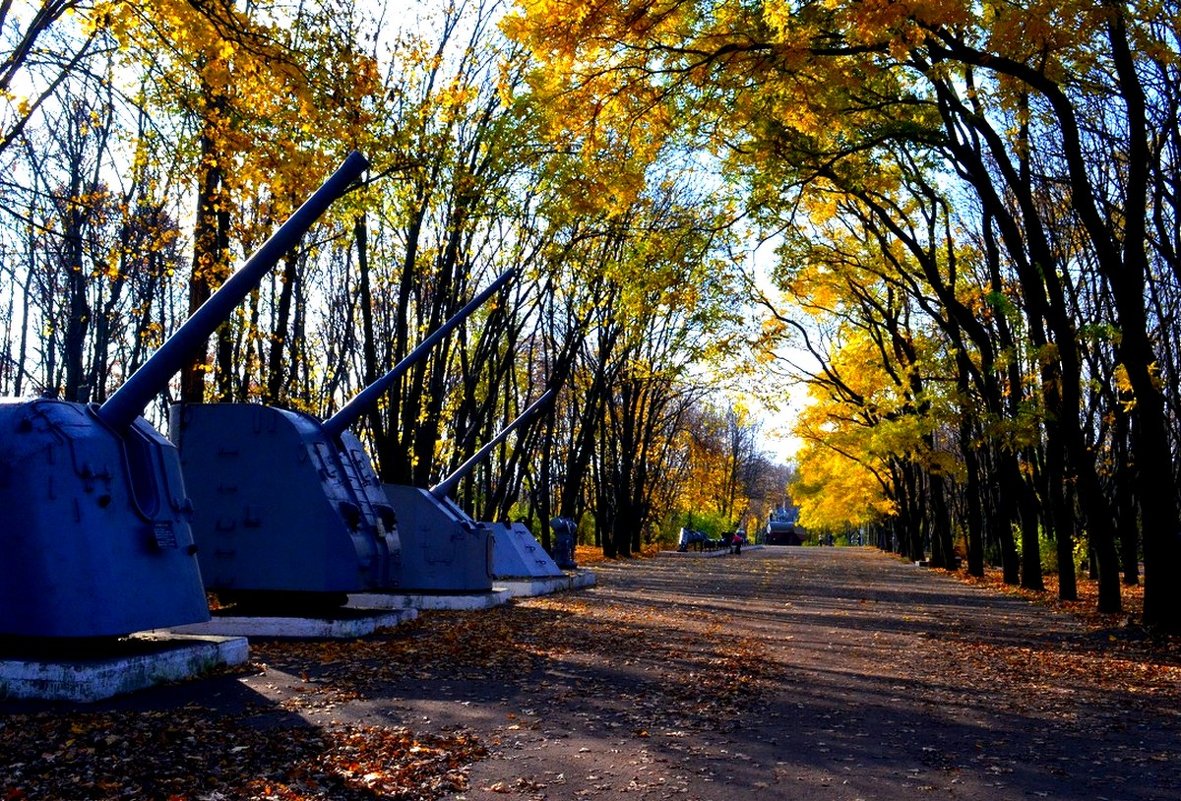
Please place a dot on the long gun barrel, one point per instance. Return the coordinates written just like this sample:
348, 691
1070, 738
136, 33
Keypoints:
448, 485
130, 400
367, 398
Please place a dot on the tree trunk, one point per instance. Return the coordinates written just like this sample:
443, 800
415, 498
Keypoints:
1127, 520
207, 254
941, 536
972, 491
1010, 499
1031, 556
277, 378
78, 316
1152, 442
1064, 524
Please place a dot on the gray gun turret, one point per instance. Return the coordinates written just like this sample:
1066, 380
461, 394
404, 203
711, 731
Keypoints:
289, 508
96, 536
443, 548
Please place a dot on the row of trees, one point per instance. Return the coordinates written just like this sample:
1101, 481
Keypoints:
147, 147
975, 209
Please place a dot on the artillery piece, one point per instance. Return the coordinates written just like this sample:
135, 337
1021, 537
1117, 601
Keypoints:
291, 516
443, 549
96, 537
516, 554
565, 536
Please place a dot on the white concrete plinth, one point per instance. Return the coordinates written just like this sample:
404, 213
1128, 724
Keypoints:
528, 587
411, 600
133, 663
357, 623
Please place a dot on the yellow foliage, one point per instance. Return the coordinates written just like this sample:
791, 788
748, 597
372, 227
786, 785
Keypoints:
834, 491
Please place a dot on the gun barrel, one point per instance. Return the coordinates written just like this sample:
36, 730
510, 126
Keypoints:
448, 485
367, 398
130, 400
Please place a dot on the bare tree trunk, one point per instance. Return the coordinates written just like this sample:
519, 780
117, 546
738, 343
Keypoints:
208, 250
277, 376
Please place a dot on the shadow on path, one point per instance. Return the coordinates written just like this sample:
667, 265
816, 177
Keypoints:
894, 681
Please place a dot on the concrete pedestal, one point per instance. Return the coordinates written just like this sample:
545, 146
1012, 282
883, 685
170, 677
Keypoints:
527, 587
349, 624
412, 600
99, 671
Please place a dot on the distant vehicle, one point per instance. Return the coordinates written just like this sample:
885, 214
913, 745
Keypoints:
781, 528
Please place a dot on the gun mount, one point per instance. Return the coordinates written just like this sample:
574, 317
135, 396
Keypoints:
516, 554
290, 513
443, 548
97, 539
565, 537
782, 527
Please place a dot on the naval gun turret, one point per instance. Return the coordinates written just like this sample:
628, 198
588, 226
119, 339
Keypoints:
443, 549
95, 538
291, 516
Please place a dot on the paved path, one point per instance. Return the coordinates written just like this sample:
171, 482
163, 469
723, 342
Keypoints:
783, 673
888, 682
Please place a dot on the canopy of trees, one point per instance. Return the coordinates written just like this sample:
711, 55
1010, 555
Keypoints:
147, 148
975, 206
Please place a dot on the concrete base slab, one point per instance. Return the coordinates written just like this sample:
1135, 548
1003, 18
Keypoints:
528, 587
122, 666
351, 624
411, 600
